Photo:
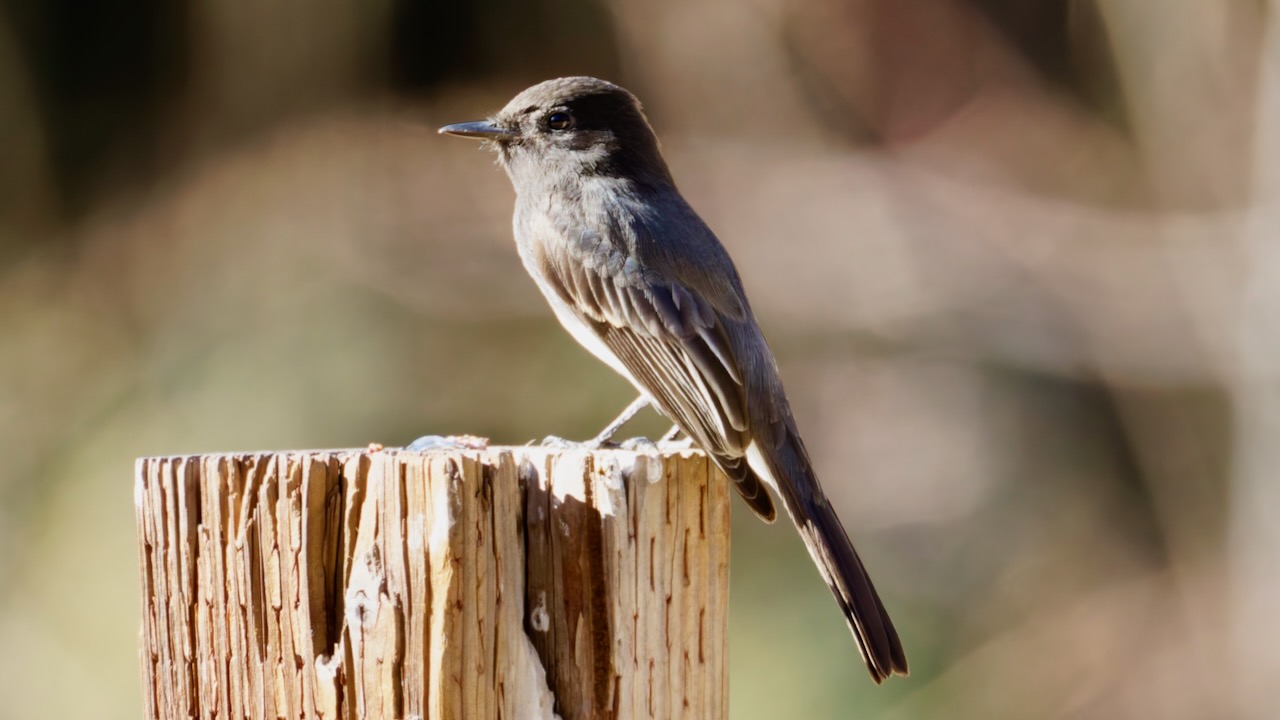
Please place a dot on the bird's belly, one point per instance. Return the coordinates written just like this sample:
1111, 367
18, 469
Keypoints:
587, 337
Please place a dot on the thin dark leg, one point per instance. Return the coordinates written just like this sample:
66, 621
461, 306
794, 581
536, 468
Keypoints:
607, 434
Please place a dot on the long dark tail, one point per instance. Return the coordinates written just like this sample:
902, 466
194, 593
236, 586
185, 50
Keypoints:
841, 567
836, 559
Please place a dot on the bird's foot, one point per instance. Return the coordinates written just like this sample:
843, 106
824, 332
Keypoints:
669, 443
596, 443
675, 445
640, 444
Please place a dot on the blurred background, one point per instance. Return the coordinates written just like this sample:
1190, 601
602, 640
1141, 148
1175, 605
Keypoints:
1018, 260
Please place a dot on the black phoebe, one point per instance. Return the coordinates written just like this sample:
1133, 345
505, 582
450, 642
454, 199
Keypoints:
637, 278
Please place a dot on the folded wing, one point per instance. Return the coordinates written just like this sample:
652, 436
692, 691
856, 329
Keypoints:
676, 348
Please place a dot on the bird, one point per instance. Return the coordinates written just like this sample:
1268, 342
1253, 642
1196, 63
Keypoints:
636, 277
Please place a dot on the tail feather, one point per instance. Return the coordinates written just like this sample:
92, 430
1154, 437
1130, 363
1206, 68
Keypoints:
844, 573
788, 471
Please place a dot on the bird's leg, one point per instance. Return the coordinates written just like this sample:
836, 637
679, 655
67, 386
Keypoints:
610, 430
668, 442
640, 403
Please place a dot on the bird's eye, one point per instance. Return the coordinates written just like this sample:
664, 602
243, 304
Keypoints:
559, 120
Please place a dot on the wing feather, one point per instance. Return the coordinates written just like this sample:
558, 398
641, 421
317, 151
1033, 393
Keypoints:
676, 348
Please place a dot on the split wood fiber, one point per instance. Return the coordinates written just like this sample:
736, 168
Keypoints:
493, 583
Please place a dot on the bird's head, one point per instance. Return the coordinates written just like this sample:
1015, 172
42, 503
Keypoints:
571, 127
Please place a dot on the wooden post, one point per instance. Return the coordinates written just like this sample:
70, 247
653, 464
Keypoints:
457, 583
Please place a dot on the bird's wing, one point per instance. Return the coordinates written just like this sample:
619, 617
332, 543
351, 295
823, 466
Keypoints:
675, 346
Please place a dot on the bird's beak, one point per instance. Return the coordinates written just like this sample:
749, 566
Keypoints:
483, 129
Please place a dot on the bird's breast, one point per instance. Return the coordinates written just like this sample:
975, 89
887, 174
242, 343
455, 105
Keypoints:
539, 243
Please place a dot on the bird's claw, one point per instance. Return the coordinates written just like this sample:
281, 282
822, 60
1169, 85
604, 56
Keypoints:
559, 443
642, 444
675, 445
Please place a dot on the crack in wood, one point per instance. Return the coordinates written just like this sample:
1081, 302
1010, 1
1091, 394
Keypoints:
346, 584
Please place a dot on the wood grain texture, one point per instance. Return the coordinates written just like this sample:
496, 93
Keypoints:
468, 583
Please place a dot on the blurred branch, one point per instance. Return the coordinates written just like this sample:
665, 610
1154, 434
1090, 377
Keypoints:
1190, 73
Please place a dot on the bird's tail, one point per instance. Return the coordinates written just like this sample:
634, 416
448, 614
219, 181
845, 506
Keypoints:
833, 553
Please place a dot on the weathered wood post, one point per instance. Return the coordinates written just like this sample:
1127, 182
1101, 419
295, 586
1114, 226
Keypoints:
458, 583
